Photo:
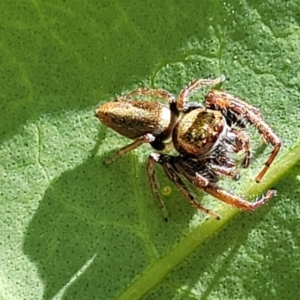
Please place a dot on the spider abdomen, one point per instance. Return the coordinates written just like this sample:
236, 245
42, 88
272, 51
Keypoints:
135, 118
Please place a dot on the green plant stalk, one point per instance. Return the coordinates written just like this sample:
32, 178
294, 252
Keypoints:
162, 267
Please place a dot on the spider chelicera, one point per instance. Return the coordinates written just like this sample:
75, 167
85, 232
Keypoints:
205, 137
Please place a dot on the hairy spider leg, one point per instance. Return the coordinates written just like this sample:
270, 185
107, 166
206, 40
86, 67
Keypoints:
147, 138
182, 101
225, 171
243, 143
171, 173
152, 160
219, 193
224, 101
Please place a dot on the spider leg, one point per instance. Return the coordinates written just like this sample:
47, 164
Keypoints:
226, 171
221, 194
147, 138
237, 201
243, 143
224, 102
182, 101
152, 160
171, 172
158, 93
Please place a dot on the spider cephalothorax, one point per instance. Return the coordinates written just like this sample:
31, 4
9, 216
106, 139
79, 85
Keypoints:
205, 137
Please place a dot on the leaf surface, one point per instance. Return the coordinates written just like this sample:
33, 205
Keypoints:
73, 228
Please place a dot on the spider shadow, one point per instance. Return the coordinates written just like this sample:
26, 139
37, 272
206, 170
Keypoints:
95, 217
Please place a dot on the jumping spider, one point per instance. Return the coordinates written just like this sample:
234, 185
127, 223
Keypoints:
205, 137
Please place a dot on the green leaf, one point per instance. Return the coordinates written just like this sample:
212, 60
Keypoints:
73, 228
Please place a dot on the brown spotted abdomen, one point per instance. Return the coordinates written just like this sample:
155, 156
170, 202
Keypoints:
133, 119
